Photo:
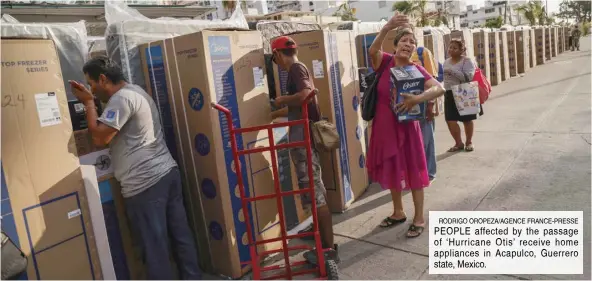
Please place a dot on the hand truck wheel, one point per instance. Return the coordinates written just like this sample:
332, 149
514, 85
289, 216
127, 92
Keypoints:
332, 269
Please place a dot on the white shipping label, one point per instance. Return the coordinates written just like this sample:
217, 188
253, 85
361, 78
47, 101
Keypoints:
48, 109
258, 76
317, 69
74, 213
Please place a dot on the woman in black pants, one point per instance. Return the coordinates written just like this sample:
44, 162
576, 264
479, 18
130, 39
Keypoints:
458, 69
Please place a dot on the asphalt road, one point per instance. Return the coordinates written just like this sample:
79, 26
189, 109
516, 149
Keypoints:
532, 153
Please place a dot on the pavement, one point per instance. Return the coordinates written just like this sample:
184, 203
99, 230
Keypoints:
532, 153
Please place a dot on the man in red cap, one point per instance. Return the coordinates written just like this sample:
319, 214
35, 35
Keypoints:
299, 85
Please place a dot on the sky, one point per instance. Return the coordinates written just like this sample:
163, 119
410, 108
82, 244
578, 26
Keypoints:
553, 5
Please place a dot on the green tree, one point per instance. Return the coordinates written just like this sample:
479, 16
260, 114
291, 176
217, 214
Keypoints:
415, 8
346, 12
495, 22
532, 11
578, 10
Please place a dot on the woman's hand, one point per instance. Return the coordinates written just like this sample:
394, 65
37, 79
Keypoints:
409, 101
398, 20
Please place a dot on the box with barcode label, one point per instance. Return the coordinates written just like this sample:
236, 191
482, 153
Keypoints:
45, 210
408, 80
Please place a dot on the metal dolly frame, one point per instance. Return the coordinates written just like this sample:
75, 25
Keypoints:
256, 257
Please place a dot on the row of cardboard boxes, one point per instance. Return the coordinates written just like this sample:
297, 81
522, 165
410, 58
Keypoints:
185, 74
46, 204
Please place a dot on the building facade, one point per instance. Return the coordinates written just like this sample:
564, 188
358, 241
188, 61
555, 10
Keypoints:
477, 17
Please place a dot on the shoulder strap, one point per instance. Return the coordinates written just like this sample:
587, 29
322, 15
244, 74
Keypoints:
420, 55
383, 66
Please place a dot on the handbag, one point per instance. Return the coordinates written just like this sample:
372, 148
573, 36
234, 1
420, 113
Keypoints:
466, 98
14, 261
371, 93
324, 133
466, 95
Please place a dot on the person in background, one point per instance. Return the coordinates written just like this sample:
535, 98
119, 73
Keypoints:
299, 86
428, 126
575, 37
396, 157
149, 177
458, 69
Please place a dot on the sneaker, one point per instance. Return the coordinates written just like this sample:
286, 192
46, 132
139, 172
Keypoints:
311, 256
432, 180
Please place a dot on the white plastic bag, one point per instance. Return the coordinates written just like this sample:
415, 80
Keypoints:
466, 98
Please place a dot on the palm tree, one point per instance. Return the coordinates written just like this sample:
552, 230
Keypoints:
346, 12
533, 11
416, 8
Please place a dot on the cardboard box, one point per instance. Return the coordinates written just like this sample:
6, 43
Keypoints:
446, 38
481, 50
548, 43
541, 45
495, 68
435, 43
504, 55
44, 206
523, 53
363, 43
566, 33
331, 58
408, 80
467, 36
162, 83
560, 40
533, 48
234, 64
512, 55
555, 39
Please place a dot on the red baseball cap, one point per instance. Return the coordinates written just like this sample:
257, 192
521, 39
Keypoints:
283, 42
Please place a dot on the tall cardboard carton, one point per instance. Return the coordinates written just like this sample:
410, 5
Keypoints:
566, 33
541, 45
556, 40
522, 50
533, 48
158, 64
495, 77
553, 40
560, 40
435, 43
44, 203
228, 68
504, 55
467, 36
512, 53
481, 50
331, 58
446, 38
548, 43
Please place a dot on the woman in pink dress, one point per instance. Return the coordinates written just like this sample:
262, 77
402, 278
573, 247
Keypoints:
396, 157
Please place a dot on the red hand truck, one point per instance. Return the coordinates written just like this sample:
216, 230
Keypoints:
323, 265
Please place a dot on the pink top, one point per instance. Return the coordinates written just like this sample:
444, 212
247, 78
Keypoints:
396, 151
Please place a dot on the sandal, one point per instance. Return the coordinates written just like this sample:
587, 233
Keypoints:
456, 148
414, 229
469, 147
389, 222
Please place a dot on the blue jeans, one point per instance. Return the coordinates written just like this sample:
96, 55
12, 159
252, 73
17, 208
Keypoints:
428, 131
156, 215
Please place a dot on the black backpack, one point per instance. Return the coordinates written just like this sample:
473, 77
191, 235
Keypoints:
370, 83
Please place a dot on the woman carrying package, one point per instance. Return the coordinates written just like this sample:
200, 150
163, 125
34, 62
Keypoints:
396, 157
458, 69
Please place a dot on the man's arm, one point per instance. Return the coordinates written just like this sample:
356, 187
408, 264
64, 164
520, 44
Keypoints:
299, 75
101, 134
